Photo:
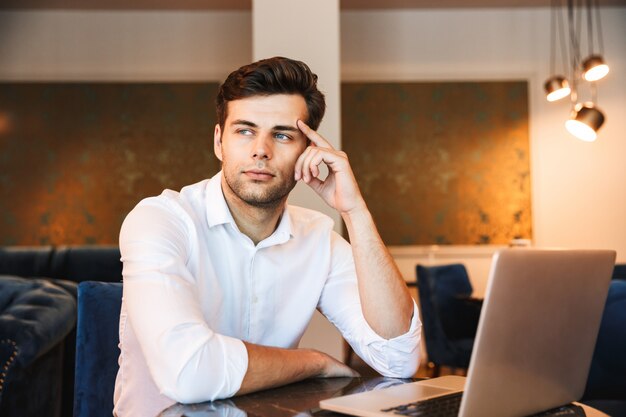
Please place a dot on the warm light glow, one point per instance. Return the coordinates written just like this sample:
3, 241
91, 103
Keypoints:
559, 94
556, 88
5, 123
594, 68
581, 130
597, 72
585, 121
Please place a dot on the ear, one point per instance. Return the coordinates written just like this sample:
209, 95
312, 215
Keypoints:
217, 142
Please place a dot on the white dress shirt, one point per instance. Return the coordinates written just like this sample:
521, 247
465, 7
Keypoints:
195, 287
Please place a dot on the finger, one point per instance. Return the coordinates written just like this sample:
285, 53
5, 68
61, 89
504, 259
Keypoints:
297, 170
313, 164
309, 167
315, 137
299, 166
301, 169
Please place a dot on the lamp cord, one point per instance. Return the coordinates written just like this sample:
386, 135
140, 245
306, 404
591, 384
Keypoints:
599, 28
574, 51
552, 36
561, 35
589, 27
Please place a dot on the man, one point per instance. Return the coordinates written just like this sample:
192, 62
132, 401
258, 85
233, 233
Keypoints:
222, 279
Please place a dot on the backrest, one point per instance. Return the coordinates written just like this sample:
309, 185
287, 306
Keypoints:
87, 263
26, 261
608, 367
73, 263
97, 351
619, 271
438, 288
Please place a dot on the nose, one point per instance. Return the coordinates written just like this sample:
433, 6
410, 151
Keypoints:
262, 147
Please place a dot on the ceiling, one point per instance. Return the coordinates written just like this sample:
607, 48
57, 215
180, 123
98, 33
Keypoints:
247, 4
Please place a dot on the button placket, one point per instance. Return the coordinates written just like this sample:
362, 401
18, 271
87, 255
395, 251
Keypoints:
252, 299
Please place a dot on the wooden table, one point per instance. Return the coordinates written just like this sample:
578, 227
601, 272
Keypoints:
300, 399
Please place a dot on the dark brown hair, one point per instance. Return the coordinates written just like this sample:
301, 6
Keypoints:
270, 76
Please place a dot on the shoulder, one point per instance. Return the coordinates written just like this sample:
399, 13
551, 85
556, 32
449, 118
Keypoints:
318, 230
317, 226
170, 213
303, 220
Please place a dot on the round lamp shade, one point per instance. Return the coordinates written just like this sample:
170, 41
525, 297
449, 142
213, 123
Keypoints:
556, 87
585, 121
594, 68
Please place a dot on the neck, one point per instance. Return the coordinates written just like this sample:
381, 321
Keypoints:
256, 222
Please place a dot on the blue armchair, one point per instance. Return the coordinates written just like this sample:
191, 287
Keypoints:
619, 272
35, 317
97, 351
606, 385
450, 316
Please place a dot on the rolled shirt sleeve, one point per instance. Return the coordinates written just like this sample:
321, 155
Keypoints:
187, 360
340, 303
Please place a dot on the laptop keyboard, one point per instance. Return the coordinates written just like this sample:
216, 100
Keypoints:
445, 406
448, 406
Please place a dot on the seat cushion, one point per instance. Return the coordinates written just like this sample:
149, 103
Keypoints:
35, 314
97, 351
35, 317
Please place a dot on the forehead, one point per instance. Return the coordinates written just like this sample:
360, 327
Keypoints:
276, 109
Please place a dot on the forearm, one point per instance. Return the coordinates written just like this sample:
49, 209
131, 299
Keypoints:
385, 300
271, 367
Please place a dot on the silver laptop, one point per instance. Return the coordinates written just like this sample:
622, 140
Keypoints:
534, 343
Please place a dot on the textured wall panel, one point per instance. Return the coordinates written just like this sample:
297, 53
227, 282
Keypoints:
76, 157
437, 162
441, 162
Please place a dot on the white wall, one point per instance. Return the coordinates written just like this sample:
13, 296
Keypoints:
578, 189
123, 45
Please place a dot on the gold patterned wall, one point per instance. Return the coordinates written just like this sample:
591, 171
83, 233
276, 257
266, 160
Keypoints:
441, 162
76, 157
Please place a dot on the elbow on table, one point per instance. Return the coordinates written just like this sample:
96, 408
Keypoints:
406, 369
213, 370
190, 392
402, 364
194, 386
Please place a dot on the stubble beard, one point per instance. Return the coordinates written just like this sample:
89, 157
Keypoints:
266, 197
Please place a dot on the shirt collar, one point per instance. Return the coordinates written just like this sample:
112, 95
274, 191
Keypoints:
217, 212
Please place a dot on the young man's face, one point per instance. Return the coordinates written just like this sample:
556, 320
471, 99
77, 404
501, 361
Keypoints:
259, 147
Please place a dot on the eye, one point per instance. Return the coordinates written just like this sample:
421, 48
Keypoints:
282, 136
245, 132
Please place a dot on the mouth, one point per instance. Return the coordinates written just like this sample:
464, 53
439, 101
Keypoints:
259, 174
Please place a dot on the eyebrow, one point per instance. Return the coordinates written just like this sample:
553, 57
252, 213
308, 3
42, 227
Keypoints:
286, 128
244, 122
283, 128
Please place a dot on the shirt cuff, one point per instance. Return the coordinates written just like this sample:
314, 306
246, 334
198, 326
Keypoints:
237, 366
397, 357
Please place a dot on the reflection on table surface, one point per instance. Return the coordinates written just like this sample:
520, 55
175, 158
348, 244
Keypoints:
300, 399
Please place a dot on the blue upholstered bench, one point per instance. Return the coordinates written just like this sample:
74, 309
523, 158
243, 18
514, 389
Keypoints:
35, 317
65, 266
